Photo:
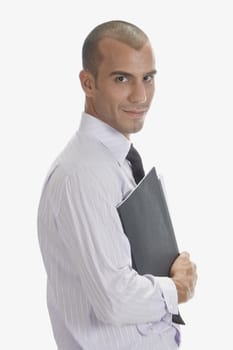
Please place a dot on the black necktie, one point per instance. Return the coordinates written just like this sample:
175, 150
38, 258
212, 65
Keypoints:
136, 162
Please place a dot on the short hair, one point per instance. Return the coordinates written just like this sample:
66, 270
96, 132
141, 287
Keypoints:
122, 31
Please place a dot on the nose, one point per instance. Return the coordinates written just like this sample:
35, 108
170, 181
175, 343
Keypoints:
138, 93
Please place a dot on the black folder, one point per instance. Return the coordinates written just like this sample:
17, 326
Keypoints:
146, 221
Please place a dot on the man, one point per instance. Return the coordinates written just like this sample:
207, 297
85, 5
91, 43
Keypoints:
96, 300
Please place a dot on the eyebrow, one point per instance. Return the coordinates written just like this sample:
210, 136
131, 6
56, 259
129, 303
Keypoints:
119, 72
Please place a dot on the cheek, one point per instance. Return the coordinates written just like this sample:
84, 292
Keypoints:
118, 93
149, 95
115, 100
152, 91
112, 98
104, 103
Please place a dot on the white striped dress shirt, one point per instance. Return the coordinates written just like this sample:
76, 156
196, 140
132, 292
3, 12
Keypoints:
95, 299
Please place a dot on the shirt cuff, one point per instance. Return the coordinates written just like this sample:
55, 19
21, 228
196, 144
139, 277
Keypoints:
169, 293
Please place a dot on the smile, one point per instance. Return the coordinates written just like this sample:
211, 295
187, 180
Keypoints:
136, 112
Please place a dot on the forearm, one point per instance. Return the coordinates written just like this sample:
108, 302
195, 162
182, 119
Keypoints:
101, 257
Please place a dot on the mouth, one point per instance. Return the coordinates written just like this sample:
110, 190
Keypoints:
135, 113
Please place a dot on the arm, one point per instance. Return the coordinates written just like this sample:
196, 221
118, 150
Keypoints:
92, 233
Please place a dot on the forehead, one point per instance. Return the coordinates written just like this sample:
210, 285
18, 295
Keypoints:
120, 56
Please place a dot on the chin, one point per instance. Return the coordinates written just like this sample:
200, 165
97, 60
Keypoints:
137, 127
135, 131
132, 129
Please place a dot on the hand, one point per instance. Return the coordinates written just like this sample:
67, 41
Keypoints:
183, 274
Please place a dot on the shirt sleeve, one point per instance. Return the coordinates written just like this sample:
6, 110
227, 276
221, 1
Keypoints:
99, 251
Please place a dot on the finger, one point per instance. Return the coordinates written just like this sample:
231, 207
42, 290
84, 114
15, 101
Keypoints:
185, 254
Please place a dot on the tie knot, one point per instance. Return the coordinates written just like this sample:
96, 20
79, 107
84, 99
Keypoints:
136, 163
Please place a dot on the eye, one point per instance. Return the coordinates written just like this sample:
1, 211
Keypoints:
121, 79
148, 78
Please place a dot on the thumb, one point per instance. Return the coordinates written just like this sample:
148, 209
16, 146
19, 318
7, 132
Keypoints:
185, 254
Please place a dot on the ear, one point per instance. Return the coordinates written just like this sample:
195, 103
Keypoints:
88, 82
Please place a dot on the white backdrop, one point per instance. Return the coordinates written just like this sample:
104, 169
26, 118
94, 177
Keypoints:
187, 136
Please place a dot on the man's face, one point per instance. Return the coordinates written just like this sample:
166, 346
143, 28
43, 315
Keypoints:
124, 86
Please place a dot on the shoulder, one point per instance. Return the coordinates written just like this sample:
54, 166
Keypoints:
86, 157
84, 167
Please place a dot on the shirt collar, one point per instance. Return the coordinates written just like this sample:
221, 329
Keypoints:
116, 142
